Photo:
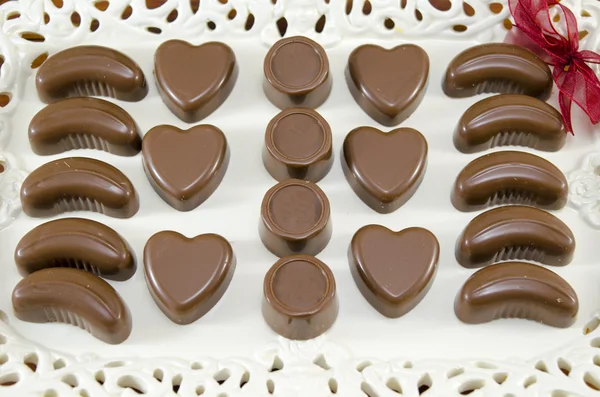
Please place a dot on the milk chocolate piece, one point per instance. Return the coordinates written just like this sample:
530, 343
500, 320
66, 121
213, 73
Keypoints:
185, 167
194, 81
388, 85
78, 184
297, 73
510, 120
384, 169
510, 177
77, 243
187, 276
393, 270
500, 68
74, 297
84, 123
300, 300
295, 219
298, 145
90, 71
517, 290
513, 233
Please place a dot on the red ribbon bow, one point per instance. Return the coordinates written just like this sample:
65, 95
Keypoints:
574, 78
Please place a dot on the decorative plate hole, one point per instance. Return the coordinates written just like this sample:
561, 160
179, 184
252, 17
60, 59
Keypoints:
407, 364
3, 168
441, 5
532, 380
130, 382
13, 15
211, 25
362, 365
50, 393
394, 385
560, 393
470, 11
3, 357
172, 16
196, 366
194, 5
75, 19
223, 1
126, 13
176, 382
459, 28
596, 361
249, 22
270, 386
454, 372
58, 364
564, 366
368, 390
245, 379
100, 377
46, 18
367, 8
418, 15
58, 3
541, 366
5, 98
34, 37
31, 360
102, 5
84, 393
582, 34
591, 381
469, 387
200, 390
37, 62
154, 30
424, 383
282, 26
321, 362
496, 8
333, 386
9, 379
500, 377
507, 24
222, 376
348, 7
94, 25
231, 14
158, 374
484, 365
70, 380
591, 325
389, 23
114, 364
152, 4
320, 25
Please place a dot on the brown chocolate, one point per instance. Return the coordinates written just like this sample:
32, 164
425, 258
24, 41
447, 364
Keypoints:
84, 123
384, 169
185, 167
300, 300
78, 184
388, 85
187, 276
297, 73
510, 120
298, 145
393, 270
90, 71
295, 219
500, 68
194, 81
510, 177
517, 290
77, 243
74, 297
515, 233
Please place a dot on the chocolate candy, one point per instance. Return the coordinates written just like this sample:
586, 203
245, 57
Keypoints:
74, 297
517, 290
84, 123
300, 300
78, 243
295, 219
297, 73
90, 71
388, 85
78, 184
515, 232
497, 67
384, 169
298, 145
510, 120
194, 81
510, 177
393, 270
185, 167
187, 277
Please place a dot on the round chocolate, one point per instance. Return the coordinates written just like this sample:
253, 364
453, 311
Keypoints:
298, 145
295, 219
297, 73
300, 300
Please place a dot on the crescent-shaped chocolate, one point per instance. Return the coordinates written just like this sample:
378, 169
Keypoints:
500, 68
510, 177
90, 70
77, 243
517, 290
74, 297
510, 120
78, 184
515, 233
84, 123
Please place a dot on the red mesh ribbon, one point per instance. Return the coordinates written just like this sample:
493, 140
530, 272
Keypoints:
576, 81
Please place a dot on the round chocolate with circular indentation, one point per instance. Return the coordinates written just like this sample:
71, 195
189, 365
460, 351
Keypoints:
300, 301
295, 218
297, 73
298, 145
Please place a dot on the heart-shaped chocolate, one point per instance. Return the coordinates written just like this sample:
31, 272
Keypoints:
187, 276
384, 169
393, 270
194, 81
185, 167
390, 84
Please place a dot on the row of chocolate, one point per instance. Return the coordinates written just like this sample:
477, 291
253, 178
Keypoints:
388, 85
